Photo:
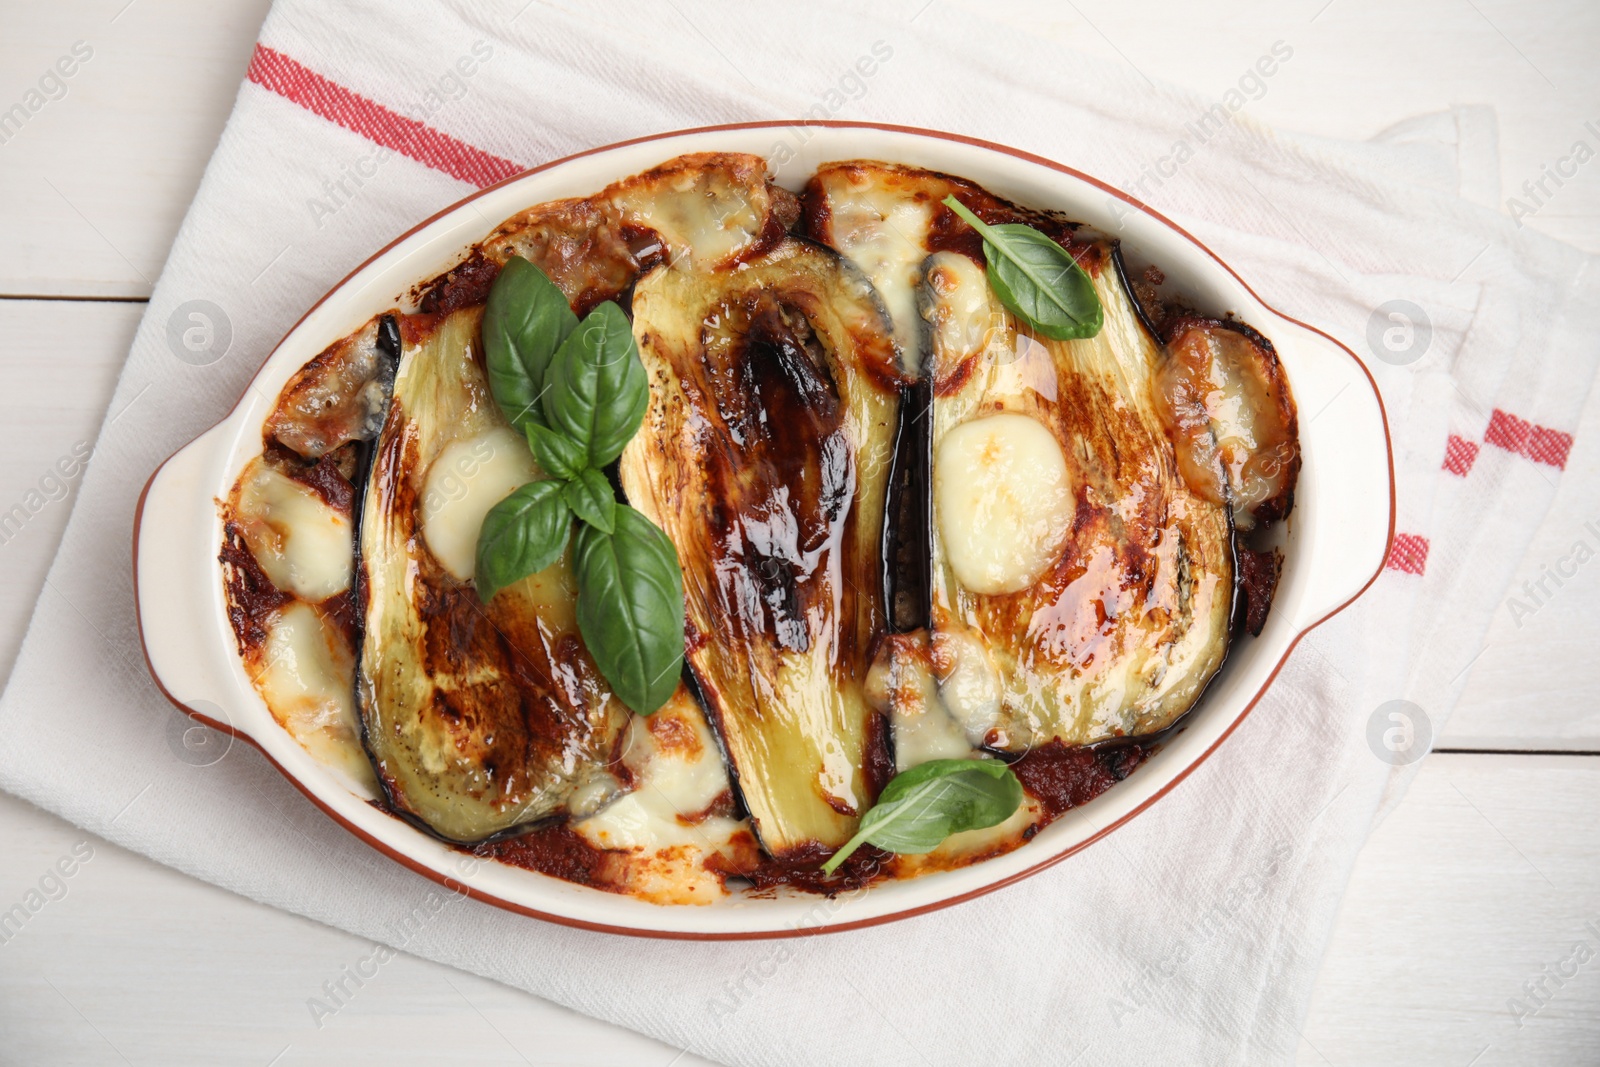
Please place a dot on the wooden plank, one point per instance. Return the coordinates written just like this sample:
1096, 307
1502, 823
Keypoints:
95, 184
62, 360
1486, 874
96, 181
127, 957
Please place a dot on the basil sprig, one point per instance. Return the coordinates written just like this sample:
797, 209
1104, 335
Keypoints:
1035, 278
922, 806
578, 392
524, 323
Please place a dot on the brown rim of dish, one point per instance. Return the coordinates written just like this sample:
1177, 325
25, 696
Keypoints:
759, 935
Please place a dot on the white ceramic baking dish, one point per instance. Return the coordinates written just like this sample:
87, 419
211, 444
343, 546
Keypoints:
1334, 543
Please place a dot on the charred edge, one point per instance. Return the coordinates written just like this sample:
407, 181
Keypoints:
325, 478
1236, 606
556, 850
816, 214
464, 285
877, 762
1144, 313
389, 338
1255, 588
367, 457
907, 524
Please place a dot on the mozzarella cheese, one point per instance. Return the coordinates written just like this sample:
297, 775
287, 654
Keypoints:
962, 313
305, 672
1004, 501
702, 216
885, 234
969, 681
470, 476
302, 543
678, 774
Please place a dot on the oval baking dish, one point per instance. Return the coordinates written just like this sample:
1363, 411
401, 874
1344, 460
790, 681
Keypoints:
1334, 543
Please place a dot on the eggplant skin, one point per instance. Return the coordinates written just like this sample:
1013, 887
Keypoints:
765, 457
480, 719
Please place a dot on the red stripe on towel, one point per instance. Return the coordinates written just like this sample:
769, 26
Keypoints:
1538, 443
295, 82
1459, 455
1409, 554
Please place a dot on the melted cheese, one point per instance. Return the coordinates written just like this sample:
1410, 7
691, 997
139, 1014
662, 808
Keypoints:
884, 233
302, 543
969, 681
901, 683
962, 313
305, 672
924, 729
678, 774
470, 476
705, 218
1004, 501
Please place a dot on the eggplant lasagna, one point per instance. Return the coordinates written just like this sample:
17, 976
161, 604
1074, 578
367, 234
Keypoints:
911, 527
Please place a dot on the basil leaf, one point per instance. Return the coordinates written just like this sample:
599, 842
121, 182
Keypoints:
597, 390
521, 535
559, 455
630, 607
590, 498
1036, 279
524, 323
922, 806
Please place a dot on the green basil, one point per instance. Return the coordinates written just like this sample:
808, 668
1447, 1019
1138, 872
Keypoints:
1036, 279
630, 607
521, 535
578, 392
922, 806
526, 320
559, 455
596, 387
589, 496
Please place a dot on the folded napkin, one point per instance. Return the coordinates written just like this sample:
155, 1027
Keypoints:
1193, 934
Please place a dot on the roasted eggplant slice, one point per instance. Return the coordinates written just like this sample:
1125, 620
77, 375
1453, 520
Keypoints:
1224, 399
703, 211
1071, 559
1080, 589
765, 456
479, 718
338, 397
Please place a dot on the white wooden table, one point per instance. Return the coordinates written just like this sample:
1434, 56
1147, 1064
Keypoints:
1471, 894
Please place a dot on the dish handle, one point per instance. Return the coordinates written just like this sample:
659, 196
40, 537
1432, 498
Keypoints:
178, 588
1347, 466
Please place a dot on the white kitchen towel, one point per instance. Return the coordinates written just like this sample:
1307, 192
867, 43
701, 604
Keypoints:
1192, 935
